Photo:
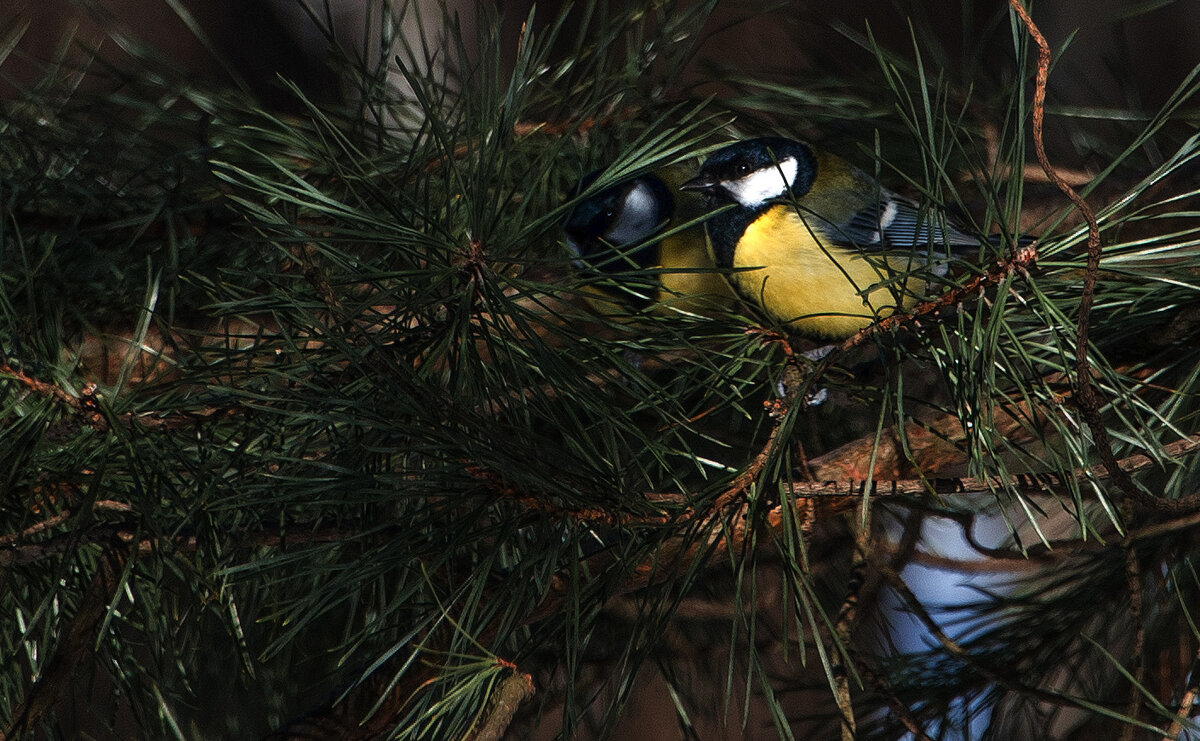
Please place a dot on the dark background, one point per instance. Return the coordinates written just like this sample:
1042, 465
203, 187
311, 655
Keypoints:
1124, 55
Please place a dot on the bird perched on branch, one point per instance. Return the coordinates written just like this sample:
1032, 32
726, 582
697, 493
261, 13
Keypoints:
819, 245
643, 237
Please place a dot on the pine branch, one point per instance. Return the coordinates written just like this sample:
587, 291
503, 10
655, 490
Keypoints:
504, 704
382, 424
1019, 262
85, 405
1187, 704
1086, 398
1133, 579
999, 675
844, 629
75, 650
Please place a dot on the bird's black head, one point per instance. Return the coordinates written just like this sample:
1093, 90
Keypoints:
755, 171
612, 231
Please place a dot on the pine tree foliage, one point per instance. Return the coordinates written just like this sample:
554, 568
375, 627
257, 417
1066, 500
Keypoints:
360, 460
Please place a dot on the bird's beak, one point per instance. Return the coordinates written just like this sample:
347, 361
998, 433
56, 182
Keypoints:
701, 182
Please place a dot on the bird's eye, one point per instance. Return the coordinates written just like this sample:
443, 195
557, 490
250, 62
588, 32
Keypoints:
610, 213
742, 169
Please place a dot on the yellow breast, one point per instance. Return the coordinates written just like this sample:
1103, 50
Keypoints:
817, 288
698, 289
702, 291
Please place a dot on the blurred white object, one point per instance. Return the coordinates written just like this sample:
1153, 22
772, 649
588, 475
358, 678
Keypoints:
410, 36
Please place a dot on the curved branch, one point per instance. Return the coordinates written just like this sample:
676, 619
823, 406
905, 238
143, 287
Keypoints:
75, 650
505, 701
1087, 398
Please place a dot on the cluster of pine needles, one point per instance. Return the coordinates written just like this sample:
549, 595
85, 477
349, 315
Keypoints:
305, 417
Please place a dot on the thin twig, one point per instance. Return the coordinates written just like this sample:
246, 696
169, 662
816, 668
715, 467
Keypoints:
15, 539
831, 497
793, 381
1002, 677
835, 496
71, 659
846, 619
1087, 398
503, 705
881, 686
84, 404
1183, 716
1018, 262
1006, 567
1133, 579
502, 489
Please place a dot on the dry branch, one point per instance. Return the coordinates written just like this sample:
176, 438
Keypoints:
1087, 398
74, 651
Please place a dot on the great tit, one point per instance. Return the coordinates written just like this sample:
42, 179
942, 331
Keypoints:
818, 244
632, 235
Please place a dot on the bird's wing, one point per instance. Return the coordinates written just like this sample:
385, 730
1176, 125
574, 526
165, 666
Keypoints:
896, 223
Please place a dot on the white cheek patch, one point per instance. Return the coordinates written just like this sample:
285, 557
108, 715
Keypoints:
637, 219
762, 185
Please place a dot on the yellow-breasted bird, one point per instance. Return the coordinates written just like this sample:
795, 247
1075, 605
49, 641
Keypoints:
818, 244
630, 234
